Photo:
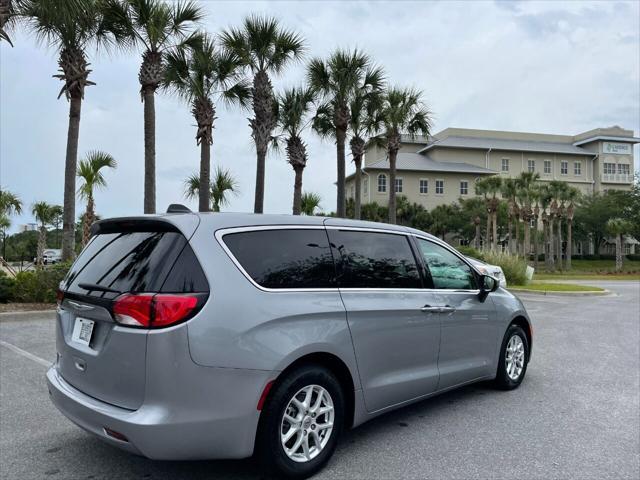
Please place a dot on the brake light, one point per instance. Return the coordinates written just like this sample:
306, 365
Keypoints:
152, 310
59, 296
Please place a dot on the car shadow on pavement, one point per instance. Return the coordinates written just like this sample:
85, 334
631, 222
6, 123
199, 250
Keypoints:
109, 462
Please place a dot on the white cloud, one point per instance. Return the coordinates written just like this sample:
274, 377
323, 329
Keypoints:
543, 67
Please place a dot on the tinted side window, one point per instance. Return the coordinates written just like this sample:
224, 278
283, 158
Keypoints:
186, 276
447, 270
374, 260
286, 258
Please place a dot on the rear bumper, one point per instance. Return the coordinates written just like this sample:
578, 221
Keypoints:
207, 424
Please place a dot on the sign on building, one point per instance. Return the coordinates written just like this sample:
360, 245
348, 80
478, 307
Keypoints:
617, 148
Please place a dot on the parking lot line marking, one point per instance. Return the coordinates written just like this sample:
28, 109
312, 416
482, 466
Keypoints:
25, 354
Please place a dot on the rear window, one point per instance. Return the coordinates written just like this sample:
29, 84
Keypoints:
136, 262
286, 258
374, 260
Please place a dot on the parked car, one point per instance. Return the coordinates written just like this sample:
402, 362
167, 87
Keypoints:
200, 336
487, 269
50, 256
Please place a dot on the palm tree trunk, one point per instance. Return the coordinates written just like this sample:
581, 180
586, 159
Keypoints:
358, 180
149, 151
494, 221
536, 246
297, 190
569, 243
261, 155
477, 239
204, 190
559, 243
517, 245
70, 165
42, 241
393, 155
509, 233
487, 240
618, 253
551, 244
527, 240
341, 136
89, 215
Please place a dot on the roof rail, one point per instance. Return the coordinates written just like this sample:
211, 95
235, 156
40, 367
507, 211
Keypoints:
178, 208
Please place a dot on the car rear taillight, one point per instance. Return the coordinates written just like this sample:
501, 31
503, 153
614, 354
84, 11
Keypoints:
153, 310
59, 296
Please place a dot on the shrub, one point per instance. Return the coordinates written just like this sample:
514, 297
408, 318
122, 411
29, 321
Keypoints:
7, 285
470, 252
514, 267
39, 286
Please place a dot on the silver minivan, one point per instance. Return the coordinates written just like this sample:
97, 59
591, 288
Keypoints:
201, 336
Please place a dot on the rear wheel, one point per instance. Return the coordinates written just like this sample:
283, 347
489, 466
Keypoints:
514, 356
301, 423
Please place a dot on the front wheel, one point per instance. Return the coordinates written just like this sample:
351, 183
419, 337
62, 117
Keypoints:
514, 357
301, 423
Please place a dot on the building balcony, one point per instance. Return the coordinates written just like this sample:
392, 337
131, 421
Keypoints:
617, 177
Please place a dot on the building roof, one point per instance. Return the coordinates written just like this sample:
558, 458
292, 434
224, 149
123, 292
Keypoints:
505, 144
423, 163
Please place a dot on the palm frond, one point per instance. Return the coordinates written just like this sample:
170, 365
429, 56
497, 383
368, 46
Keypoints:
89, 170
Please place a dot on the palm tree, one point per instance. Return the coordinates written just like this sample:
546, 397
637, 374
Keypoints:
72, 27
7, 18
202, 75
222, 184
44, 214
525, 184
570, 197
617, 227
310, 202
157, 27
10, 203
92, 178
545, 199
489, 188
402, 112
556, 189
264, 48
57, 212
509, 192
337, 80
294, 106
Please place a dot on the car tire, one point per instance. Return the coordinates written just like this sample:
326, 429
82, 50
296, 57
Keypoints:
514, 358
273, 426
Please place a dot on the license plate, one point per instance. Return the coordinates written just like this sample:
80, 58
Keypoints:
82, 331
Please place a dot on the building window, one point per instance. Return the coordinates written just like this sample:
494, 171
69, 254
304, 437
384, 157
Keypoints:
505, 164
439, 187
627, 249
577, 168
382, 183
464, 187
623, 169
609, 168
352, 192
531, 166
547, 166
365, 186
564, 167
424, 186
398, 185
532, 223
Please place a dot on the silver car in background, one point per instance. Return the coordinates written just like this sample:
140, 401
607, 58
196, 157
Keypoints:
202, 336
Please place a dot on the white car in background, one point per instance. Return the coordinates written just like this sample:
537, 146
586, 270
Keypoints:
493, 270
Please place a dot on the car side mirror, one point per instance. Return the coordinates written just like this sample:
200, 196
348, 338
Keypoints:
488, 284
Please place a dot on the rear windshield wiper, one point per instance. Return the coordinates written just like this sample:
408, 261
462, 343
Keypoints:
96, 287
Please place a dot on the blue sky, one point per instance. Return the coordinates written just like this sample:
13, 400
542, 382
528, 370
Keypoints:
546, 67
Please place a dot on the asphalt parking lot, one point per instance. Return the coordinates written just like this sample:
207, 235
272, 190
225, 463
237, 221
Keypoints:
577, 414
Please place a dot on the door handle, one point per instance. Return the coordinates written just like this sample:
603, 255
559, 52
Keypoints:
430, 309
447, 309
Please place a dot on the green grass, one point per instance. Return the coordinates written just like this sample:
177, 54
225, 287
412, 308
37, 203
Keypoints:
593, 270
557, 287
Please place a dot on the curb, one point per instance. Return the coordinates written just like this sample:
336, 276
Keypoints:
560, 294
38, 314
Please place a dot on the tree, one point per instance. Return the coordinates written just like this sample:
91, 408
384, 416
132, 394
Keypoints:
7, 18
571, 195
92, 178
310, 203
44, 214
294, 108
526, 195
10, 204
402, 112
72, 27
157, 27
222, 184
617, 227
509, 192
489, 188
264, 48
337, 80
202, 75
